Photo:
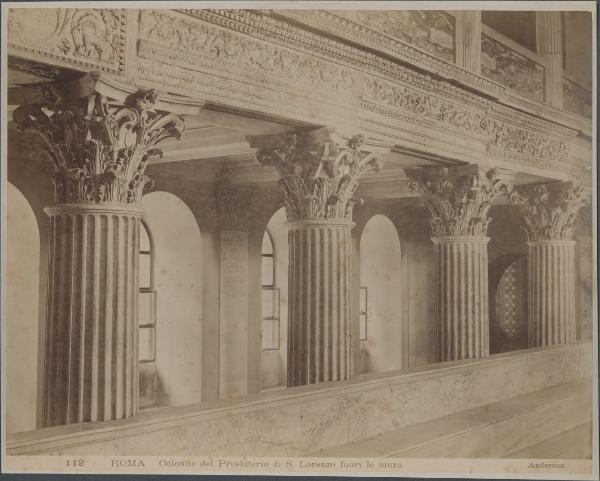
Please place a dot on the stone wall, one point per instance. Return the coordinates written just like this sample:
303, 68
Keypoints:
304, 419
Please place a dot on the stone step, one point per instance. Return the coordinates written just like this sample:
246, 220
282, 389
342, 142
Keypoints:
575, 443
491, 431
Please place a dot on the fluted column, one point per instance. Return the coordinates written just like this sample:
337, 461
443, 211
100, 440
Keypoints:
320, 337
459, 199
319, 173
99, 152
461, 297
468, 40
91, 370
549, 212
549, 45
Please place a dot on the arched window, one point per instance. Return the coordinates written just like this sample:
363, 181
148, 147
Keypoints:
147, 320
275, 259
270, 297
170, 302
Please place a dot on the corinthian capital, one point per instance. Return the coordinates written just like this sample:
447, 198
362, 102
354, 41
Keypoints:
549, 210
458, 199
318, 171
99, 149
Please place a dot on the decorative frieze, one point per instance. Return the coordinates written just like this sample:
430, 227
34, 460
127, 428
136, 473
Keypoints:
459, 201
88, 38
193, 40
420, 106
99, 150
318, 171
549, 210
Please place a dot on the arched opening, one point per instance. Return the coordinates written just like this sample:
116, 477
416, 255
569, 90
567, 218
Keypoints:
508, 303
380, 320
274, 275
21, 312
170, 307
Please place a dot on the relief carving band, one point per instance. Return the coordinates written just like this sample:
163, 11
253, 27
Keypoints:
319, 177
99, 150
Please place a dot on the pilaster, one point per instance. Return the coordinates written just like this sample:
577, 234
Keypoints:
468, 40
549, 45
99, 150
459, 199
319, 172
549, 212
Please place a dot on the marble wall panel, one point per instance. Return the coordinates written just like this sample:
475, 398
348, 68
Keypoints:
429, 30
577, 99
508, 67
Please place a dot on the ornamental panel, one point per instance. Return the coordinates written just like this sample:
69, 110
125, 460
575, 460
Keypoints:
508, 67
89, 38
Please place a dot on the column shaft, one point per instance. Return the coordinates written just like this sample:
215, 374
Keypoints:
551, 271
320, 308
91, 371
468, 40
461, 298
549, 44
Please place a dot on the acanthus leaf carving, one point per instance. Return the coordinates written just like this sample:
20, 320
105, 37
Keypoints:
549, 210
458, 201
99, 151
319, 179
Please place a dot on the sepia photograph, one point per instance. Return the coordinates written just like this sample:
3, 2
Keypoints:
299, 238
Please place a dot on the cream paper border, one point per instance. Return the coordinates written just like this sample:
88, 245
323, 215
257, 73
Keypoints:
206, 465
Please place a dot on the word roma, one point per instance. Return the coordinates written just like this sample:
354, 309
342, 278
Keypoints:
127, 463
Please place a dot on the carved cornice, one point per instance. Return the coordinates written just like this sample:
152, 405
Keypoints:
99, 150
87, 38
458, 201
318, 171
549, 210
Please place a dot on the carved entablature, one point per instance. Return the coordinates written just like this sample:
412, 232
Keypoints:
318, 171
549, 210
458, 201
88, 38
99, 150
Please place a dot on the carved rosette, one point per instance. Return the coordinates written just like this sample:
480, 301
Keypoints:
100, 150
458, 201
319, 179
549, 210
